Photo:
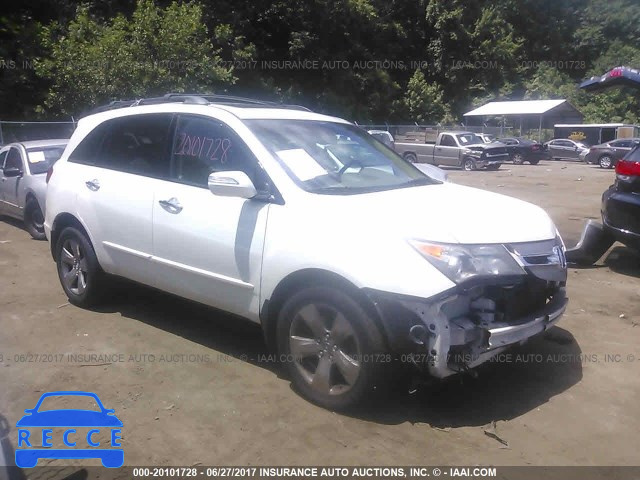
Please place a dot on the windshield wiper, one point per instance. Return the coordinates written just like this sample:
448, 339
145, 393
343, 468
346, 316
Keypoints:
423, 181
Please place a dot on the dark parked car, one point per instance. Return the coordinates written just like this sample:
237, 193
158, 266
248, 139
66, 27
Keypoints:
607, 154
620, 214
621, 202
564, 148
523, 150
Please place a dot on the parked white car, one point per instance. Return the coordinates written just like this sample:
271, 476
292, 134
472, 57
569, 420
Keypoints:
23, 169
350, 257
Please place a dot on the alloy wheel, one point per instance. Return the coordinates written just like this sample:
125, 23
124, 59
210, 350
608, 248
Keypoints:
73, 263
325, 349
605, 162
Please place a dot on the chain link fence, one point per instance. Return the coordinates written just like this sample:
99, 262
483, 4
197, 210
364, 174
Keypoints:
23, 131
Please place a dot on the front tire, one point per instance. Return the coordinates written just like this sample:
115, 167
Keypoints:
34, 219
469, 164
333, 350
518, 159
79, 272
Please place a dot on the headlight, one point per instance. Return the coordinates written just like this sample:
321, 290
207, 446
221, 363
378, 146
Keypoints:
463, 262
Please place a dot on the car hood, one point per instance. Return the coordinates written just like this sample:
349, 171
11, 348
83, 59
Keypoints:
441, 213
69, 418
484, 146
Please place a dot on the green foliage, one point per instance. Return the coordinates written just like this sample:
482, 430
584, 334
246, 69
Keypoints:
423, 100
373, 60
155, 51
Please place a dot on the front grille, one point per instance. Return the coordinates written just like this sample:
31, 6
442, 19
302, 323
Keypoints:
514, 304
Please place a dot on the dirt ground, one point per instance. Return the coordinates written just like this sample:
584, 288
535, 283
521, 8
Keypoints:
189, 385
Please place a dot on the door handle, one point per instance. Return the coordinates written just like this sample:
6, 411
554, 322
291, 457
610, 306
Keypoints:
93, 185
172, 205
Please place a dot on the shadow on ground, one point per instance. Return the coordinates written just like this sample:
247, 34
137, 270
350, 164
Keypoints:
623, 260
546, 366
214, 329
519, 381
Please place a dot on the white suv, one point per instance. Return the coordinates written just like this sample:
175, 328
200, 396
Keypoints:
349, 257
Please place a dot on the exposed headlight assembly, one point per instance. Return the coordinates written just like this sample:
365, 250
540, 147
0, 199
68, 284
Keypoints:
464, 262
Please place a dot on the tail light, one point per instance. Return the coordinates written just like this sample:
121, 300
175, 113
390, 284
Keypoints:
49, 173
535, 148
616, 72
625, 169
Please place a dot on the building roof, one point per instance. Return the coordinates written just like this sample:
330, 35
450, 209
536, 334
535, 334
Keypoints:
523, 107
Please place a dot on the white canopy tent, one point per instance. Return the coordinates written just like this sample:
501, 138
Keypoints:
545, 112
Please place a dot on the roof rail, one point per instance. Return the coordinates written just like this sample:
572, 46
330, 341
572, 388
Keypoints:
196, 99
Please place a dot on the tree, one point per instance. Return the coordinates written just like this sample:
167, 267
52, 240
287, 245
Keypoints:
424, 100
156, 51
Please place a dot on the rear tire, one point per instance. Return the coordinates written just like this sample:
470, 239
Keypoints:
34, 219
410, 157
332, 349
80, 274
534, 162
605, 161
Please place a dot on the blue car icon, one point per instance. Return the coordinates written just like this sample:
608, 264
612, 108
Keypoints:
67, 419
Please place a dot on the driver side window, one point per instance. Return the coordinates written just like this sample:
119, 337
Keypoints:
14, 159
202, 146
448, 141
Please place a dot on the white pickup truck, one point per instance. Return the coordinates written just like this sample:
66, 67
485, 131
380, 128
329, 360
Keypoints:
456, 149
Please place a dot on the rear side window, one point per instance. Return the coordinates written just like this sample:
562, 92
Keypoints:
202, 146
88, 148
137, 144
3, 156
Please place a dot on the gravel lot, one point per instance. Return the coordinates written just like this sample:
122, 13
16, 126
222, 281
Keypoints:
191, 386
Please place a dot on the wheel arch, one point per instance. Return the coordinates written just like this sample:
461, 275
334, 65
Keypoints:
301, 279
62, 221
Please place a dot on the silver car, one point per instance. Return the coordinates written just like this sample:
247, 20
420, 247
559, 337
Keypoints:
23, 186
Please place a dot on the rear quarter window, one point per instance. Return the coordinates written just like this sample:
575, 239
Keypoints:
137, 144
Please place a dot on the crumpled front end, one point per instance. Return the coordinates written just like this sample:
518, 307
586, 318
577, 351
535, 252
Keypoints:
468, 325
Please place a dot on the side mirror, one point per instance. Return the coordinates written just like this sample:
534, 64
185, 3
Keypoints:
12, 172
232, 184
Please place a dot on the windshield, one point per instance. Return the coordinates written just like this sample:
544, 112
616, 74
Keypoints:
469, 139
40, 159
328, 157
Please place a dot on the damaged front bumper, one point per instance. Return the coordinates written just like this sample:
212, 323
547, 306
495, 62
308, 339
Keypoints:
468, 325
